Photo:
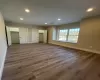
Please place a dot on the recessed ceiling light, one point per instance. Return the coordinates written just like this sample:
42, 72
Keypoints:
45, 23
59, 19
90, 9
21, 19
27, 10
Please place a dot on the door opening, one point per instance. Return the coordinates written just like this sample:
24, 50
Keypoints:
15, 37
41, 38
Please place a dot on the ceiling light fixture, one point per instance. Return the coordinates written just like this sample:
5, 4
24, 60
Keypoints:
90, 9
21, 19
27, 10
45, 23
59, 19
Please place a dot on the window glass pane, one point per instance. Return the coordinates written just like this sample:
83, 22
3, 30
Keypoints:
63, 34
72, 38
74, 31
73, 35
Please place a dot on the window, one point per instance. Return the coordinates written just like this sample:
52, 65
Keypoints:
63, 34
73, 35
68, 35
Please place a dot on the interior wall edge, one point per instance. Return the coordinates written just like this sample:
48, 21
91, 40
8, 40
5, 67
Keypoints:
3, 44
2, 65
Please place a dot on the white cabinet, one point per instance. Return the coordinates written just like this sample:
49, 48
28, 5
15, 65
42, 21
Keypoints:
28, 35
23, 33
35, 35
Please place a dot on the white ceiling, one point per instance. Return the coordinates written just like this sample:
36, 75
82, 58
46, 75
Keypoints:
48, 11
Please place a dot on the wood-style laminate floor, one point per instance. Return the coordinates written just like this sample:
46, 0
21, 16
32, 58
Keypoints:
49, 62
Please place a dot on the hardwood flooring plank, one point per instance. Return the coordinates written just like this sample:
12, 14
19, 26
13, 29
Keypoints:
50, 62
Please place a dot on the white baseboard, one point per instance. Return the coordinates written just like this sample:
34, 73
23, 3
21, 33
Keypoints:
88, 50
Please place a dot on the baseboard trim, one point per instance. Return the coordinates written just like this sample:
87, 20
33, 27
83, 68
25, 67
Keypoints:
82, 49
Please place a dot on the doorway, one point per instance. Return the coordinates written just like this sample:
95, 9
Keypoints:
15, 37
41, 38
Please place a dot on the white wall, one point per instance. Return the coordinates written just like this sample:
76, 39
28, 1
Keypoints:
3, 44
8, 36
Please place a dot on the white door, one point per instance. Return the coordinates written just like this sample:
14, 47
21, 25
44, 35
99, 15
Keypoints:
35, 35
23, 33
28, 35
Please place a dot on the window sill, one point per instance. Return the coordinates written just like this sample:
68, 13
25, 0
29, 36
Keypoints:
65, 41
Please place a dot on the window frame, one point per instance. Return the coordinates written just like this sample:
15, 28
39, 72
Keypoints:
63, 35
58, 30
